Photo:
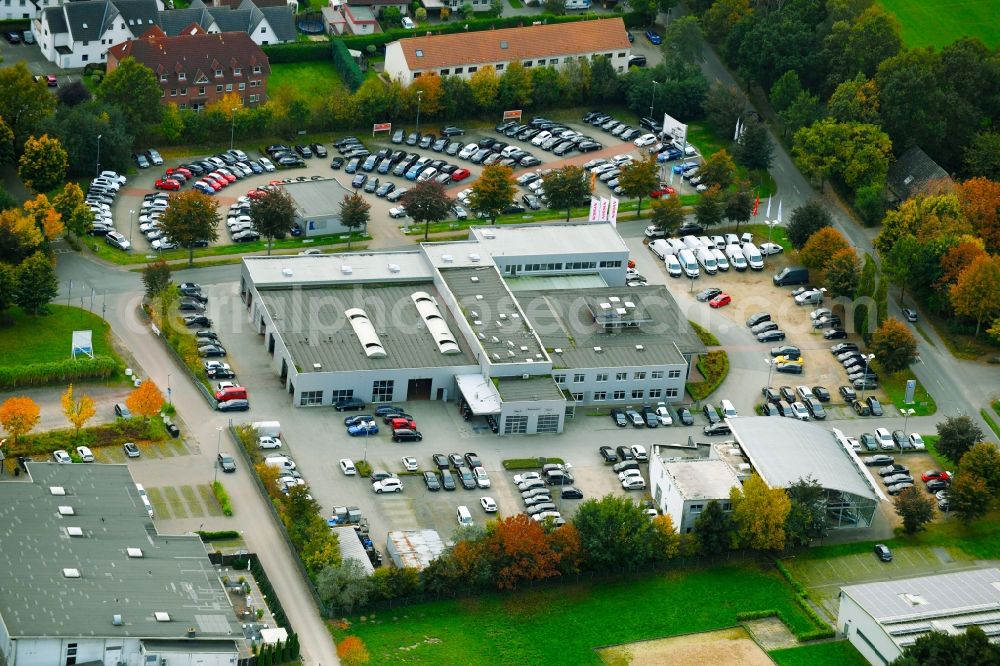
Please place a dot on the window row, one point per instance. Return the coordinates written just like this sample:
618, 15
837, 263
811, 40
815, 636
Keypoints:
636, 394
639, 375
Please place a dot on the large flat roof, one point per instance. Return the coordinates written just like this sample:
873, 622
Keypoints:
702, 479
565, 238
783, 451
315, 329
286, 271
565, 320
173, 574
515, 389
316, 198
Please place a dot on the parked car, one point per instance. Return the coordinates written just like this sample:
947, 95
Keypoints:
131, 450
432, 481
883, 553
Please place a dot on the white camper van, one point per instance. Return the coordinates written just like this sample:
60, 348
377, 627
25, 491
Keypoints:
688, 263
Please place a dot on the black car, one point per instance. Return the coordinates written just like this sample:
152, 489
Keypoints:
319, 150
440, 460
625, 453
406, 435
220, 373
570, 492
769, 409
874, 405
208, 351
191, 305
432, 481
937, 485
451, 130
234, 406
690, 229
773, 335
359, 180
447, 479
349, 405
608, 453
226, 462
708, 294
717, 429
821, 393
468, 481
711, 414
684, 414
842, 347
618, 416
770, 394
337, 162
456, 460
12, 37
847, 393
835, 334
473, 460
357, 418
815, 408
141, 160
788, 394
197, 320
883, 553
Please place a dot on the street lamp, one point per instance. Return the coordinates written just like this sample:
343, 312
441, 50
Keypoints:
218, 450
770, 370
98, 155
907, 413
131, 220
652, 97
771, 224
864, 380
232, 128
168, 390
420, 96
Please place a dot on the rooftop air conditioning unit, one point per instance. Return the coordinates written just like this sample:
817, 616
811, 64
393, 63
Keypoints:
474, 257
598, 350
557, 350
393, 268
447, 258
287, 272
473, 279
503, 316
526, 376
639, 348
317, 367
346, 270
744, 467
57, 490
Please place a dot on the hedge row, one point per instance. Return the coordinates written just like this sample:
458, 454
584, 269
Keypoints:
714, 366
802, 597
297, 52
222, 497
346, 66
221, 535
106, 434
529, 463
57, 372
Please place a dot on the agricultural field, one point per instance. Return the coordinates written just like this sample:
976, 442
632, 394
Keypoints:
939, 24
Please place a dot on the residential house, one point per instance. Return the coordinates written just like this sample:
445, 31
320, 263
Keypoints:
914, 172
265, 24
464, 53
345, 19
76, 34
197, 68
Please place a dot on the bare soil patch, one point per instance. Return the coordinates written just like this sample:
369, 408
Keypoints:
727, 646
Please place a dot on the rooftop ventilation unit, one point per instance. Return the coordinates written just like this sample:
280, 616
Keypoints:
503, 316
57, 490
496, 357
510, 343
514, 315
74, 531
317, 367
365, 332
482, 336
629, 304
614, 299
479, 297
477, 322
117, 620
499, 323
71, 573
346, 270
538, 357
639, 348
474, 257
134, 552
494, 339
489, 234
510, 353
393, 268
161, 616
447, 258
287, 272
66, 511
557, 350
436, 326
526, 376
473, 279
598, 350
524, 348
475, 315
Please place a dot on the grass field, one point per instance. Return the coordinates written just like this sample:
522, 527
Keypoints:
935, 24
25, 339
314, 81
835, 653
895, 387
563, 625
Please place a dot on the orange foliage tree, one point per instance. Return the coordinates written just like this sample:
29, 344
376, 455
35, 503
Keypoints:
46, 217
980, 199
565, 543
77, 412
145, 400
821, 246
520, 550
352, 652
958, 258
18, 415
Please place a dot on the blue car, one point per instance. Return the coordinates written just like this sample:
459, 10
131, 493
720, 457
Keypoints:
654, 37
202, 187
362, 429
684, 167
414, 171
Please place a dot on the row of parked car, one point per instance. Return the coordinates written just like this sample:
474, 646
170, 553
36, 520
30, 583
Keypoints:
536, 490
690, 254
548, 135
803, 403
101, 194
214, 173
897, 478
402, 426
625, 463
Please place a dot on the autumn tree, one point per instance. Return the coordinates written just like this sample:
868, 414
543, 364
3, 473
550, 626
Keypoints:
718, 169
352, 652
74, 212
146, 400
956, 435
519, 550
427, 202
19, 237
915, 508
615, 533
843, 272
566, 187
668, 214
24, 102
190, 217
638, 178
77, 411
806, 220
485, 85
565, 543
760, 513
959, 257
133, 88
983, 460
7, 153
855, 100
46, 217
43, 163
821, 247
18, 415
969, 497
430, 92
37, 283
273, 215
923, 216
667, 541
156, 278
493, 192
710, 207
894, 346
714, 530
355, 213
976, 294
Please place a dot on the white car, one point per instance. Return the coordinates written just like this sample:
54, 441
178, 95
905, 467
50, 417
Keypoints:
629, 473
621, 158
645, 140
467, 152
854, 443
768, 249
541, 138
539, 517
917, 442
663, 414
634, 483
61, 456
673, 265
800, 411
267, 164
461, 213
482, 479
347, 467
408, 23
113, 175
397, 212
86, 455
390, 485
489, 504
884, 439
527, 476
409, 464
267, 442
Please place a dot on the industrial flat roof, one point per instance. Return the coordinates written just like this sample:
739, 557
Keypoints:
783, 451
565, 320
286, 271
493, 313
316, 198
515, 389
351, 548
702, 479
315, 330
929, 597
41, 596
540, 239
546, 282
482, 396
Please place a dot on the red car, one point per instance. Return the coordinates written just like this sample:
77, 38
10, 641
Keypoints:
460, 174
720, 300
403, 423
228, 177
181, 170
212, 183
931, 475
167, 184
50, 80
666, 190
256, 194
216, 179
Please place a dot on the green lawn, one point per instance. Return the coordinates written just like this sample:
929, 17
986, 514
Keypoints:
25, 340
931, 442
834, 653
314, 81
564, 624
895, 387
933, 24
987, 416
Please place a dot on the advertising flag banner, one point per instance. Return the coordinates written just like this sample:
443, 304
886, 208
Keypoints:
779, 211
736, 134
767, 215
605, 206
613, 212
756, 205
595, 210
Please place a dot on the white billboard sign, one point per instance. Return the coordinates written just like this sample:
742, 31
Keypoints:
675, 129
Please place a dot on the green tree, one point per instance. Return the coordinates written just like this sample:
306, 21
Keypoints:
855, 101
842, 273
355, 213
806, 220
724, 105
983, 460
682, 40
668, 213
273, 215
807, 512
976, 294
344, 587
566, 187
485, 88
638, 178
804, 110
710, 207
940, 649
172, 123
982, 155
739, 206
898, 264
77, 128
957, 435
615, 533
427, 202
8, 286
155, 278
969, 497
915, 508
754, 149
24, 102
760, 513
718, 169
869, 202
6, 143
37, 283
600, 78
714, 530
515, 87
547, 87
855, 153
493, 192
190, 217
75, 214
858, 46
43, 163
785, 90
133, 88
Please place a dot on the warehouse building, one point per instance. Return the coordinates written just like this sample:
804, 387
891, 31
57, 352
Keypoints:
682, 488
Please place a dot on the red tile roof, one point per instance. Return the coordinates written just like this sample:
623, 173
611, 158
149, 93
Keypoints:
515, 44
193, 51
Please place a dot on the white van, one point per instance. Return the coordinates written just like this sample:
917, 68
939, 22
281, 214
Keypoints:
720, 259
728, 410
691, 243
145, 499
464, 517
281, 462
577, 4
707, 261
736, 258
706, 242
688, 263
753, 256
677, 244
661, 248
267, 428
673, 266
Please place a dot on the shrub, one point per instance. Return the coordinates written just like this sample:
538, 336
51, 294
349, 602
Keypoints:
221, 535
364, 469
714, 366
106, 434
346, 66
529, 463
58, 372
707, 337
222, 497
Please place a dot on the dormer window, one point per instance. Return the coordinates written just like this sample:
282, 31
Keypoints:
237, 71
218, 73
181, 76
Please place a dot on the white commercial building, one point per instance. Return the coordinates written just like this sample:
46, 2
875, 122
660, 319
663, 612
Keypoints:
881, 619
682, 488
519, 324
